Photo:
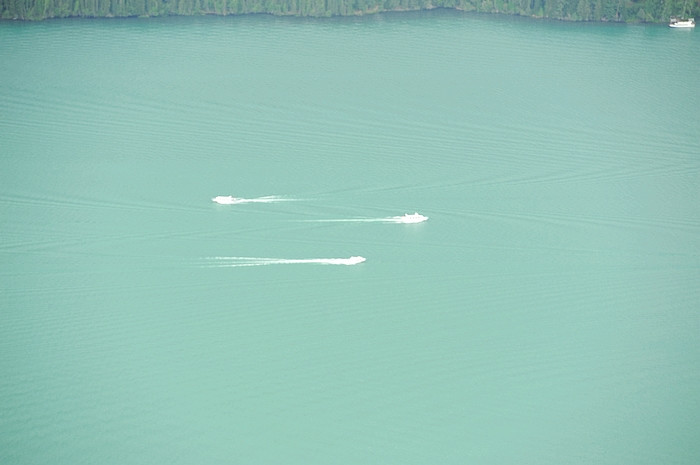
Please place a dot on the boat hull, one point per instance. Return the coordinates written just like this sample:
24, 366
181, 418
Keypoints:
682, 24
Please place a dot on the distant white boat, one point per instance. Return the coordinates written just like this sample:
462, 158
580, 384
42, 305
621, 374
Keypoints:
682, 23
411, 218
354, 260
225, 199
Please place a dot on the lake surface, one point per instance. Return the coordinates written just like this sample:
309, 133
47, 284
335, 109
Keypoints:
546, 313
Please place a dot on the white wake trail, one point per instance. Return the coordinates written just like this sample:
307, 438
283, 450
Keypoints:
229, 262
353, 220
404, 219
230, 200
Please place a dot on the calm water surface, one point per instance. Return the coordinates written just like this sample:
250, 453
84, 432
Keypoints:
546, 313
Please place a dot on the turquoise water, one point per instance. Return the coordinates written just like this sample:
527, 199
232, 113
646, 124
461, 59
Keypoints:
547, 312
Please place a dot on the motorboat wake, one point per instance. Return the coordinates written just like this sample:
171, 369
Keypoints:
231, 200
406, 219
232, 262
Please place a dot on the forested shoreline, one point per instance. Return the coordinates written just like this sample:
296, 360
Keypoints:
571, 10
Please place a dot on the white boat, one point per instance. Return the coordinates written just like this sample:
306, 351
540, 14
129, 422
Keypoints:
354, 260
225, 199
412, 218
684, 23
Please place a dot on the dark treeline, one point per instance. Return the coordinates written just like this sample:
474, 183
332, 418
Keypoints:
573, 10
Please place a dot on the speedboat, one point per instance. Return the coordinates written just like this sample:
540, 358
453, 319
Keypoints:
225, 199
354, 260
412, 218
675, 22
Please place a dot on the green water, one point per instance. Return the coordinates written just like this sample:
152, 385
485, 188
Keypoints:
546, 313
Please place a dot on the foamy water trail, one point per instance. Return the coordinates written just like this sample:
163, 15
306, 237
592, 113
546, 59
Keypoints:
230, 262
353, 220
230, 200
405, 219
